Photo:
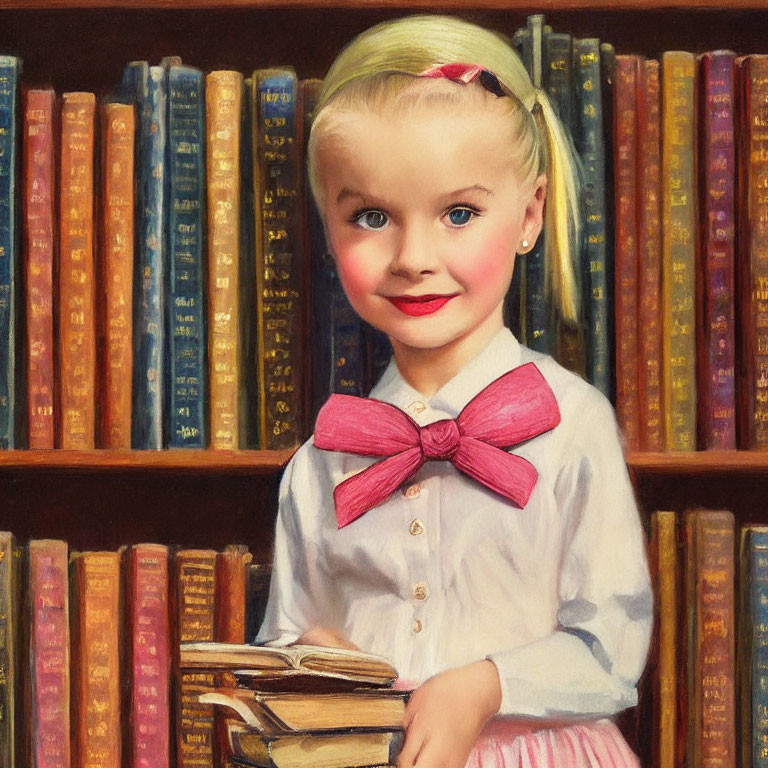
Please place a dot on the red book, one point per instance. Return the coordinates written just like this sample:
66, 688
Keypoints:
39, 227
625, 173
48, 696
149, 657
77, 328
717, 177
96, 723
651, 423
752, 265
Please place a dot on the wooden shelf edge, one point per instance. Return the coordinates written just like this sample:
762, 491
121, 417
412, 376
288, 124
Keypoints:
699, 462
411, 5
198, 461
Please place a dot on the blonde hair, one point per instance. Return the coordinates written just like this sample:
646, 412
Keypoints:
378, 68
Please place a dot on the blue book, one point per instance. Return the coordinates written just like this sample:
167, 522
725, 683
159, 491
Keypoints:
147, 87
591, 148
10, 68
186, 368
753, 651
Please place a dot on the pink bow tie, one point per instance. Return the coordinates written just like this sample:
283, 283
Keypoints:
515, 407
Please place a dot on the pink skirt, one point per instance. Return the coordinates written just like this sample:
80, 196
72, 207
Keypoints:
506, 743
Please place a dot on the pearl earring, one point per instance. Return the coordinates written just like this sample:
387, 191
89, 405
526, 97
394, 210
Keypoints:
524, 244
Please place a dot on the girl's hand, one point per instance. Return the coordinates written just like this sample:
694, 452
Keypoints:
445, 715
325, 637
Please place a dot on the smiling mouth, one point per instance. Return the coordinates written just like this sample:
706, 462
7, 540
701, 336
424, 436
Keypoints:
416, 306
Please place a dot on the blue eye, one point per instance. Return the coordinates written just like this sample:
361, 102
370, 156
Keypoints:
460, 217
371, 219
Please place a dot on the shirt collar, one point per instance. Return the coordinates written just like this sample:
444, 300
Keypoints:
502, 354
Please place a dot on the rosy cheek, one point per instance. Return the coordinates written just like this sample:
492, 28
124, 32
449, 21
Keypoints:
355, 272
493, 262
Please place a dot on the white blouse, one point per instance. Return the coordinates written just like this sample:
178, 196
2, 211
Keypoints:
446, 572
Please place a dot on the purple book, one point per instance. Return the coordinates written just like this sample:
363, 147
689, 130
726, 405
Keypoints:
716, 345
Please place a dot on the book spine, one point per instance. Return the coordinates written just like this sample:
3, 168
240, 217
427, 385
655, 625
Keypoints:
753, 254
117, 259
148, 743
49, 654
665, 693
186, 302
8, 649
258, 578
224, 95
679, 250
96, 660
716, 346
279, 267
39, 223
195, 601
625, 164
148, 298
77, 329
591, 148
10, 68
711, 675
651, 424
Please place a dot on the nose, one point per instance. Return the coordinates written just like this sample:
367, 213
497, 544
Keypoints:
415, 253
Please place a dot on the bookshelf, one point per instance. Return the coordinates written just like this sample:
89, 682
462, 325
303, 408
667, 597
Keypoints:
105, 499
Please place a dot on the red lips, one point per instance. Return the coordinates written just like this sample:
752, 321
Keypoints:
416, 306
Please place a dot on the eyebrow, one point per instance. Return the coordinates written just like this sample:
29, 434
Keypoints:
346, 192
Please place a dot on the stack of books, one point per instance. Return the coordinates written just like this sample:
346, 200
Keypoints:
301, 705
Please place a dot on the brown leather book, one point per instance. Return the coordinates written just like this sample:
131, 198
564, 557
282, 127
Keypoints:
224, 103
48, 681
625, 169
752, 266
148, 651
118, 126
710, 638
39, 178
96, 668
195, 593
678, 250
77, 329
651, 422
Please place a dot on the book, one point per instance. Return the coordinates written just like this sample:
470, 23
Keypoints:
313, 750
258, 579
709, 644
678, 250
752, 267
626, 164
96, 611
148, 657
186, 372
279, 266
146, 87
77, 297
590, 144
9, 647
651, 417
48, 681
716, 344
753, 646
224, 102
663, 557
193, 617
267, 661
10, 71
118, 207
285, 712
39, 179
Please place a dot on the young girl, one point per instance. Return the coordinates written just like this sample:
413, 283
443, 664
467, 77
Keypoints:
493, 551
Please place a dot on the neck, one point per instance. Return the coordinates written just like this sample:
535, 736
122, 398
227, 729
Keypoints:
426, 370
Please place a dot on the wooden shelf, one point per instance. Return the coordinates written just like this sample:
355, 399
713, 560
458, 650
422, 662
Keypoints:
197, 462
410, 5
699, 463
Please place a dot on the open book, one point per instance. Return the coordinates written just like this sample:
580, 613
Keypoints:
265, 662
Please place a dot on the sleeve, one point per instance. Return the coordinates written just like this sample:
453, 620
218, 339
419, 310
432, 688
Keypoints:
591, 662
290, 609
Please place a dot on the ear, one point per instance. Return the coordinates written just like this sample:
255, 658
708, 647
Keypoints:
533, 218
